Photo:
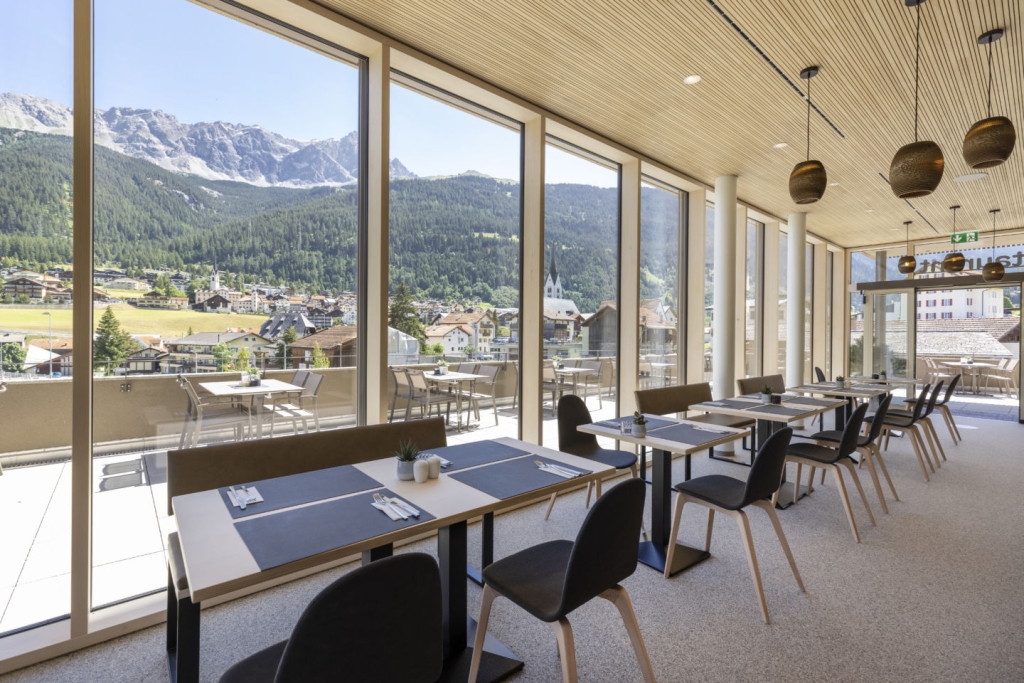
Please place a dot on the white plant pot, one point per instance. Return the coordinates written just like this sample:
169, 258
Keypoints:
766, 398
442, 370
405, 470
639, 430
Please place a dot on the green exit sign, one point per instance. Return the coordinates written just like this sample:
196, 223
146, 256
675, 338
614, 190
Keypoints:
964, 237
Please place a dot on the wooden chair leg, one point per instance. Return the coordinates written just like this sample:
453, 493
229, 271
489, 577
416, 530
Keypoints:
841, 485
945, 419
774, 517
949, 413
823, 477
930, 426
877, 455
620, 598
796, 482
566, 649
810, 479
755, 574
888, 435
932, 446
711, 525
551, 504
915, 434
865, 454
860, 489
481, 632
677, 513
920, 459
590, 487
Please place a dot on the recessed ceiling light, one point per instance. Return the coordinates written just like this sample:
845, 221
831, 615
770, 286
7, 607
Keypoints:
869, 210
780, 145
692, 79
969, 177
833, 184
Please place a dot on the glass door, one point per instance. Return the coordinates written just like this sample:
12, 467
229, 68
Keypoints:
889, 333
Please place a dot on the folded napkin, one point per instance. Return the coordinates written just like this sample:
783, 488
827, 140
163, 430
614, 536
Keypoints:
250, 493
559, 472
386, 509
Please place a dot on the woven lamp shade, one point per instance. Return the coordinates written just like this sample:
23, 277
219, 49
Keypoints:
993, 271
807, 182
907, 264
954, 262
916, 170
989, 142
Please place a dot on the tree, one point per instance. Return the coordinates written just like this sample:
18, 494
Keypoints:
22, 299
14, 358
7, 299
243, 360
436, 349
190, 332
320, 359
290, 336
470, 350
402, 315
112, 344
223, 356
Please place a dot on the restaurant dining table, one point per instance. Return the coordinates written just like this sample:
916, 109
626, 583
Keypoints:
667, 436
910, 383
867, 391
975, 366
455, 380
771, 417
267, 387
316, 519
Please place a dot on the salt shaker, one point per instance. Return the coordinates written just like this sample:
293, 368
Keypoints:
435, 466
420, 471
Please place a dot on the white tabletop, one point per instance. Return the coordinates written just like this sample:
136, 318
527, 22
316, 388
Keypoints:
652, 440
809, 410
451, 376
829, 389
267, 386
961, 364
574, 371
887, 380
217, 560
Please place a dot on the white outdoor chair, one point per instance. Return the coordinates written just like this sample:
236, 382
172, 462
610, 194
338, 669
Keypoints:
212, 414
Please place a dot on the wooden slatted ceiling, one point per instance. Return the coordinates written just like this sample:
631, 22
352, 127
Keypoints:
617, 68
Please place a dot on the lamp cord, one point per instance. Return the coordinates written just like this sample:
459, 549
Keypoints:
989, 115
917, 67
809, 116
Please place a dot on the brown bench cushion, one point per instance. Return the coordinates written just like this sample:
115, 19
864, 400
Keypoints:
200, 469
671, 400
176, 563
753, 385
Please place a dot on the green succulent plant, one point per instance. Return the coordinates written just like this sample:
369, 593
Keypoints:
407, 451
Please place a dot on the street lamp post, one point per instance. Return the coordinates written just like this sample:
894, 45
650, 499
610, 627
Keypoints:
49, 340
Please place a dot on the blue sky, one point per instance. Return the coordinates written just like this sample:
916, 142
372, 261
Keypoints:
200, 66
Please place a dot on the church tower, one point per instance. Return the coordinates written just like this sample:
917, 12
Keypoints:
553, 285
215, 278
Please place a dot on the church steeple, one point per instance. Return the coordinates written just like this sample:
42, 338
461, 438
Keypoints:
553, 284
553, 272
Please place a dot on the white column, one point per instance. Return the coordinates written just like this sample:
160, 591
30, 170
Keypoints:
531, 323
629, 293
796, 264
723, 344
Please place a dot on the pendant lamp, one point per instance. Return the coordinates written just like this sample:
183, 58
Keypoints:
907, 263
993, 270
808, 180
917, 168
954, 261
990, 141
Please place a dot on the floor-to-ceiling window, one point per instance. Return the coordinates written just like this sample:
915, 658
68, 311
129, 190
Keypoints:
783, 302
829, 293
660, 230
808, 310
38, 280
454, 281
225, 232
709, 289
581, 279
751, 308
862, 269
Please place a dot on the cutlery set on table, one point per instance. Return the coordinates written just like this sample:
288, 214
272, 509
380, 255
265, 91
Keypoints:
244, 495
395, 508
557, 470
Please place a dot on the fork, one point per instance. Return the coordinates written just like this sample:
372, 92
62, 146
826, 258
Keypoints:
381, 500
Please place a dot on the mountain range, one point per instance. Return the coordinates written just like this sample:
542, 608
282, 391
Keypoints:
214, 151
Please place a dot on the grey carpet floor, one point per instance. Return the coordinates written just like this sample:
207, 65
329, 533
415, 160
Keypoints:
935, 592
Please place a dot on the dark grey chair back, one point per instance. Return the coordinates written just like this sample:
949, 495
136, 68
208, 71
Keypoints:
573, 412
766, 472
876, 423
931, 401
607, 545
381, 622
919, 404
949, 390
848, 444
819, 374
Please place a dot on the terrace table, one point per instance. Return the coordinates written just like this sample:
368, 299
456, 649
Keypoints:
769, 417
456, 379
221, 553
974, 375
654, 552
575, 374
267, 387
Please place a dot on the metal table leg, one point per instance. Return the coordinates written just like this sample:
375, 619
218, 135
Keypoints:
653, 553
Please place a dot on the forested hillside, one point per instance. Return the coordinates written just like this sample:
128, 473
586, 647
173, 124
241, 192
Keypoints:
450, 237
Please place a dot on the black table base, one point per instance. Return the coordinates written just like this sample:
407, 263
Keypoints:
653, 553
486, 550
655, 556
497, 663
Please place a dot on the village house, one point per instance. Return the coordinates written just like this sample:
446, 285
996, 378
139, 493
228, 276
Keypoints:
128, 283
161, 301
274, 328
194, 353
338, 343
482, 324
454, 338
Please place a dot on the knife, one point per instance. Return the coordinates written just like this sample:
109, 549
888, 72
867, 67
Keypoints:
240, 497
398, 510
402, 504
234, 499
571, 473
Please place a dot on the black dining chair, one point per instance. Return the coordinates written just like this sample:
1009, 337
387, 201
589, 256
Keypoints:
553, 579
730, 496
381, 622
944, 410
914, 426
819, 374
816, 455
867, 446
572, 413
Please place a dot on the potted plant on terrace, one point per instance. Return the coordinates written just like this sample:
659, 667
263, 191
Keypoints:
406, 455
442, 367
639, 425
766, 394
254, 377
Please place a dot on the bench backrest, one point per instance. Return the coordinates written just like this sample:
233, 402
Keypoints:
200, 469
753, 385
670, 400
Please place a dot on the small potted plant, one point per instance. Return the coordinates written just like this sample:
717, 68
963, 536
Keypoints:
442, 367
556, 361
639, 425
840, 381
882, 376
766, 394
406, 455
254, 377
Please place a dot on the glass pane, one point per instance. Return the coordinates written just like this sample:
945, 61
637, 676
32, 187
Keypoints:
829, 293
889, 335
36, 270
783, 302
660, 228
808, 310
862, 269
581, 238
709, 289
752, 315
225, 241
454, 275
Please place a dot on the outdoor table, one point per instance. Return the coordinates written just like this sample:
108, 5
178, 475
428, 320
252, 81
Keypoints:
974, 375
267, 387
654, 552
575, 374
456, 379
768, 421
221, 553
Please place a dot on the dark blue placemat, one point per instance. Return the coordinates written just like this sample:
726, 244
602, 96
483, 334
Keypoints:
730, 403
686, 434
513, 477
292, 535
296, 489
652, 422
473, 454
779, 410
